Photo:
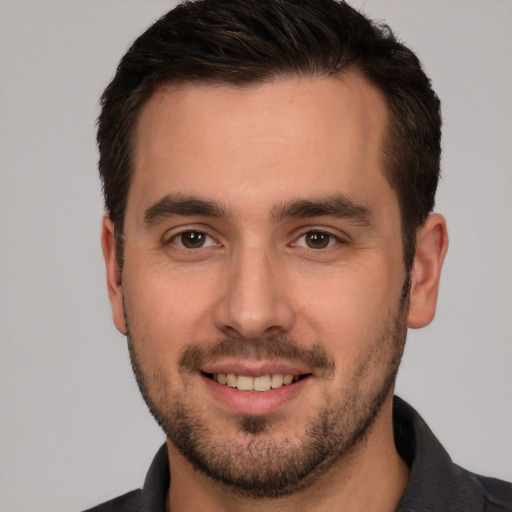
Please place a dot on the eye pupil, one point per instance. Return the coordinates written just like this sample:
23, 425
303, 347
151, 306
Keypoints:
193, 239
317, 240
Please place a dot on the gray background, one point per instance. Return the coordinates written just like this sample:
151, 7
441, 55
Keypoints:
73, 429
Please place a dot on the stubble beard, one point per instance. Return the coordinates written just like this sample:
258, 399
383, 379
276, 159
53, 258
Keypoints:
255, 464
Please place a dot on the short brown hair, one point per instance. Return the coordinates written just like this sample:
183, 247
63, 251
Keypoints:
242, 43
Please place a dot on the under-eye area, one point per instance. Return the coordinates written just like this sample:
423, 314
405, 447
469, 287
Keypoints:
260, 383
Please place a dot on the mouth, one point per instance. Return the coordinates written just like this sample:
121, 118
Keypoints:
260, 383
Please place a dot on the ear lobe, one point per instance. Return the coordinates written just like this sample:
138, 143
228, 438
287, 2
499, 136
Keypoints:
431, 247
114, 282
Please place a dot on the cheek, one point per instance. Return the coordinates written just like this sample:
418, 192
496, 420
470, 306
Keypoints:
164, 313
347, 312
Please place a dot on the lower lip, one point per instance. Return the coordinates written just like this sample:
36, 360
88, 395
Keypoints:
254, 402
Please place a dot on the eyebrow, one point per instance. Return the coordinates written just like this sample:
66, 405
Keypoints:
183, 205
337, 206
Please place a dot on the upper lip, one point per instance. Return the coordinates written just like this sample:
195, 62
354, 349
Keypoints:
255, 368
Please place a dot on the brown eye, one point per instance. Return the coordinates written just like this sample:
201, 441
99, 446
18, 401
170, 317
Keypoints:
317, 240
192, 239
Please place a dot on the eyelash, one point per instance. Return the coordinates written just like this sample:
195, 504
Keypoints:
330, 238
173, 239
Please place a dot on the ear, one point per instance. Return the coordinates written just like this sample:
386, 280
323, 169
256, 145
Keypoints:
114, 283
431, 247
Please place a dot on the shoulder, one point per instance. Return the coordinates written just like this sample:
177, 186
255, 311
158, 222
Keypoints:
435, 482
496, 494
128, 502
151, 496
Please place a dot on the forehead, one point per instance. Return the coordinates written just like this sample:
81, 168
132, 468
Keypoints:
266, 143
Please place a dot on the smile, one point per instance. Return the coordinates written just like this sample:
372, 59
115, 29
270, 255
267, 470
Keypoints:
260, 383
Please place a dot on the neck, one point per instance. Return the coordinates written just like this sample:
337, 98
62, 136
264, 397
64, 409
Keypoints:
371, 477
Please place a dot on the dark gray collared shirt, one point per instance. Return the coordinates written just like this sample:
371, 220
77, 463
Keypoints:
435, 484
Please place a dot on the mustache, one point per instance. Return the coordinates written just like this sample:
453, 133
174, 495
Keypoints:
271, 348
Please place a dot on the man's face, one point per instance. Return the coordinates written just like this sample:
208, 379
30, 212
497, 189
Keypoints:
263, 245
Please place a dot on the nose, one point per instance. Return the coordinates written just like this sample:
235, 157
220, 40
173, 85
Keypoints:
254, 302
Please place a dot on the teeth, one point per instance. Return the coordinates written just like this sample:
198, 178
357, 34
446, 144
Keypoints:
244, 383
277, 380
231, 380
261, 383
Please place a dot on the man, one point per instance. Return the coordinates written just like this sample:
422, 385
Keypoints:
269, 171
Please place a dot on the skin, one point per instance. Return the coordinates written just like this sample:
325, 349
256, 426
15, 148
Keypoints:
252, 151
